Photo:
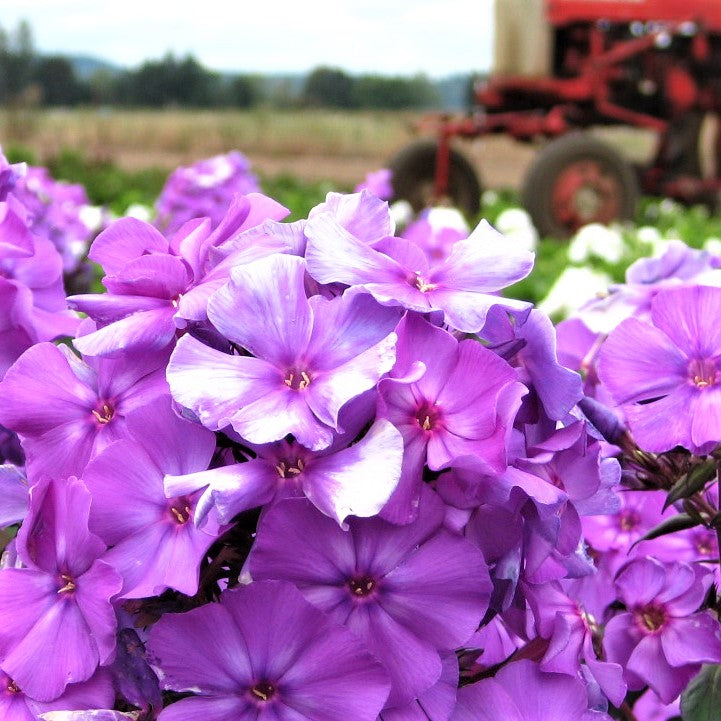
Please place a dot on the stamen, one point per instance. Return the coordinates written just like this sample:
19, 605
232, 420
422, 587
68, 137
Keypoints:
105, 415
69, 584
305, 382
426, 425
12, 687
281, 469
182, 514
289, 380
421, 284
361, 586
263, 691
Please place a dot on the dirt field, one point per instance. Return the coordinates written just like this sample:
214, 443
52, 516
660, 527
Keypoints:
310, 145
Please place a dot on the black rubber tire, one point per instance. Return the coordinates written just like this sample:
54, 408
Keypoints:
618, 193
413, 174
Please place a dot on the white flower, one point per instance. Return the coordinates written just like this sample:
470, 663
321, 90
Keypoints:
573, 288
517, 226
139, 211
596, 240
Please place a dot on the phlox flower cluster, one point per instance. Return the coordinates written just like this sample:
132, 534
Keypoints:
204, 189
323, 471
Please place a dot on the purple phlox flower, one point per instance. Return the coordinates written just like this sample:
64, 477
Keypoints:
395, 271
436, 231
356, 480
312, 356
377, 182
32, 262
265, 653
56, 212
520, 691
436, 704
66, 410
453, 402
661, 640
570, 630
667, 375
9, 175
363, 215
13, 495
677, 265
17, 330
56, 611
530, 346
156, 285
152, 539
95, 693
571, 460
204, 190
409, 591
639, 512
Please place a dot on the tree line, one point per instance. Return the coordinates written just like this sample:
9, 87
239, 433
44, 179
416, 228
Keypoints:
30, 78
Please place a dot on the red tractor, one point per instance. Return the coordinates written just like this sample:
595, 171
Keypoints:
565, 66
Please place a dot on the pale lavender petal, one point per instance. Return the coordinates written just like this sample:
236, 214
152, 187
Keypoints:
346, 326
696, 639
214, 708
706, 422
148, 330
105, 308
330, 390
159, 276
265, 310
229, 489
362, 214
640, 362
359, 479
647, 662
215, 385
25, 596
483, 262
40, 392
123, 241
335, 255
663, 424
281, 411
13, 495
689, 317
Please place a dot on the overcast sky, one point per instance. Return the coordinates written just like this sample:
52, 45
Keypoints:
436, 37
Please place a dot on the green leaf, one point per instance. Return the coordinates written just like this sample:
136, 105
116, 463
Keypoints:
701, 701
679, 522
691, 483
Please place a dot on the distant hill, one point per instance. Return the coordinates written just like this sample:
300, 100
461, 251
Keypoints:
85, 66
452, 90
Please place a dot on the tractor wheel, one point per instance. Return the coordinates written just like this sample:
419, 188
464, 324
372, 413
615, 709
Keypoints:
413, 178
575, 180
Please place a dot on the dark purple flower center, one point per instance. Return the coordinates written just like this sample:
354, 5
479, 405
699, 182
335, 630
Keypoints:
290, 469
650, 618
362, 586
418, 281
628, 520
703, 373
428, 416
263, 691
297, 379
103, 412
180, 510
68, 583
